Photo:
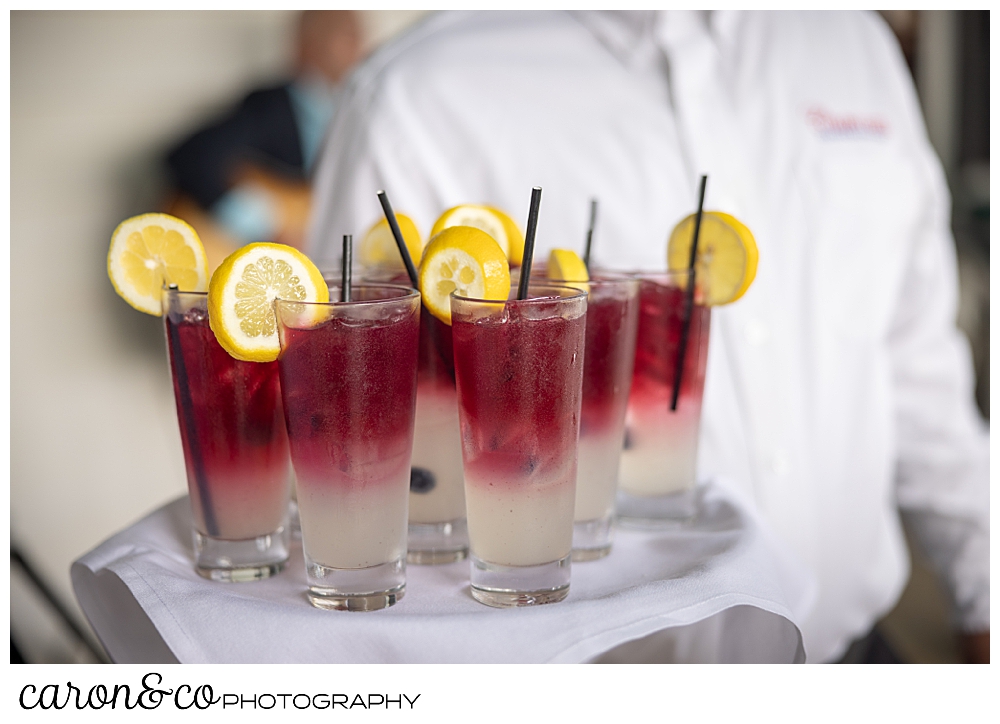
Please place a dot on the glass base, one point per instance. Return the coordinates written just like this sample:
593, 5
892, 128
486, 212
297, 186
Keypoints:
510, 586
656, 512
355, 589
237, 561
591, 539
433, 543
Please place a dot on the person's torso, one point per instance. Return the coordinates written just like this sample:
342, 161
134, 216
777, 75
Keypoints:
804, 138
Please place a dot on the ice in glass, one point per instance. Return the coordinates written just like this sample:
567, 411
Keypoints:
348, 380
235, 447
657, 477
519, 372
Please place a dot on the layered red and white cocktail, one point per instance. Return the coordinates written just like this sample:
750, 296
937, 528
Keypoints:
235, 447
348, 377
612, 316
519, 371
657, 476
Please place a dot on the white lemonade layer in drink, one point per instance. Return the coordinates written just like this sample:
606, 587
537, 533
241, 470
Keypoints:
437, 448
661, 449
246, 506
597, 474
521, 524
346, 526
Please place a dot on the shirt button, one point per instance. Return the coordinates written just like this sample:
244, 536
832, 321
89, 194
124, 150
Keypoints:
755, 332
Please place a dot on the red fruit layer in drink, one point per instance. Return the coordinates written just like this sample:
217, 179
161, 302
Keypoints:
233, 432
607, 370
436, 365
519, 389
436, 362
349, 390
661, 319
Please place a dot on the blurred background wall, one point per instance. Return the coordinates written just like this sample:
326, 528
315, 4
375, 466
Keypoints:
96, 99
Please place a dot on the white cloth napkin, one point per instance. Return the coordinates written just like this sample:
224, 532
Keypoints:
720, 589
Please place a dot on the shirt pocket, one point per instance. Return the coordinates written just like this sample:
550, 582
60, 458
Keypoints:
863, 199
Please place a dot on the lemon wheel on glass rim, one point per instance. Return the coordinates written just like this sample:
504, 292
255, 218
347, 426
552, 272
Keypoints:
378, 249
464, 260
726, 264
150, 251
242, 292
491, 220
566, 266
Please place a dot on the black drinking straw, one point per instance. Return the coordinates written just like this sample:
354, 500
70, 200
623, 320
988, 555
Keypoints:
529, 243
688, 299
590, 233
398, 236
345, 274
187, 411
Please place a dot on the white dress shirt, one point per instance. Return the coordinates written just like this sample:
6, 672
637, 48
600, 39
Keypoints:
839, 391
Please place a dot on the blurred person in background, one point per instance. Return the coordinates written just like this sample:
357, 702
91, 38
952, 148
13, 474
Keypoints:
839, 391
245, 177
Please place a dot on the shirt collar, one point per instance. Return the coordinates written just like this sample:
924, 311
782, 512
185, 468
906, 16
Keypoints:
630, 35
627, 34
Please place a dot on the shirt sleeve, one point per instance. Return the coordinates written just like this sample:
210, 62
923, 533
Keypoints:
943, 445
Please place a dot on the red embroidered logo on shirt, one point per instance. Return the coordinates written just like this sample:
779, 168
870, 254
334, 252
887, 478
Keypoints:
829, 125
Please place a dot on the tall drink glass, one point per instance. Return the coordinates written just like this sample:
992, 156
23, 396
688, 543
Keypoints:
235, 447
519, 369
437, 531
657, 485
348, 381
612, 319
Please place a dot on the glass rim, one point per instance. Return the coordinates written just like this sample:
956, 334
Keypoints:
167, 290
361, 271
600, 280
410, 293
647, 273
577, 294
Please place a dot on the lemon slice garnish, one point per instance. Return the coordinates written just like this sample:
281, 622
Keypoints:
151, 250
515, 239
566, 265
464, 260
378, 247
727, 256
242, 292
478, 217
